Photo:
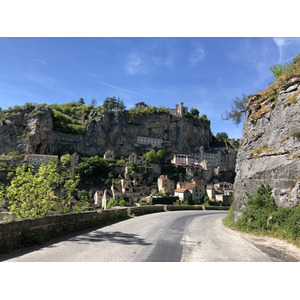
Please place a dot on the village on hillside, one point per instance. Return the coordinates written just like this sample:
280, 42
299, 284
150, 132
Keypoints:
204, 176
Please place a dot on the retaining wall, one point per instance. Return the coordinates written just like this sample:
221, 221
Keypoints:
22, 233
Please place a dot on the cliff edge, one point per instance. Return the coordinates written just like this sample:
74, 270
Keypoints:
270, 150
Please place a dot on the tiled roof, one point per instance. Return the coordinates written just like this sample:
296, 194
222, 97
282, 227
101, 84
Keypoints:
182, 190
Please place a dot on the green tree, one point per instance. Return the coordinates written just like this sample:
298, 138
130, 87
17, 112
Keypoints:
154, 192
161, 156
141, 105
66, 160
111, 203
151, 156
32, 194
94, 102
278, 69
112, 104
81, 101
194, 112
221, 136
238, 109
122, 203
167, 193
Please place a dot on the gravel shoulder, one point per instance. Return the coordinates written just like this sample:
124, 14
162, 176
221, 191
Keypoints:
277, 250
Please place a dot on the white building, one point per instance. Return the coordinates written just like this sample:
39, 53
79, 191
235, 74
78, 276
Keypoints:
38, 159
183, 159
154, 142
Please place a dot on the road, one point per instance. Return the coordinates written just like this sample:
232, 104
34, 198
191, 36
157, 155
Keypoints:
187, 236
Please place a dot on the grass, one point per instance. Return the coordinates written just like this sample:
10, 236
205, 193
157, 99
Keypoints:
261, 102
262, 217
292, 100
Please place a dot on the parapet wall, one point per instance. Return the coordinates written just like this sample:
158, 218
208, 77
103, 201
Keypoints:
22, 233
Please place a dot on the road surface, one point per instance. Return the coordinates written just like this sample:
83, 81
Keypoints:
187, 236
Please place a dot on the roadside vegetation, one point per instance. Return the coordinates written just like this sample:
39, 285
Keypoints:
262, 217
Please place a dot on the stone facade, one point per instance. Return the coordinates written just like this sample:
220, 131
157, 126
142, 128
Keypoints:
38, 159
164, 183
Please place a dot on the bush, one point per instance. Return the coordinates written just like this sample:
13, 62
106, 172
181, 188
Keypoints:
111, 203
261, 215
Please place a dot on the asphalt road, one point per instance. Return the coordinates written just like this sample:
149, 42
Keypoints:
187, 236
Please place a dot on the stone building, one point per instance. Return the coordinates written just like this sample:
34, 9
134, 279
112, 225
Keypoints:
109, 155
164, 183
183, 159
183, 194
180, 110
154, 142
74, 160
38, 159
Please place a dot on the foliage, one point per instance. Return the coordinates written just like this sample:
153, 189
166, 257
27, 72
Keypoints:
154, 157
66, 160
238, 109
194, 112
133, 167
140, 105
113, 104
221, 136
161, 155
122, 203
93, 167
151, 156
111, 203
278, 69
261, 215
32, 194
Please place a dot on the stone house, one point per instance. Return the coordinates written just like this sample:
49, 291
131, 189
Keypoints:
164, 183
139, 160
223, 187
109, 155
196, 188
183, 194
154, 142
210, 190
38, 159
74, 160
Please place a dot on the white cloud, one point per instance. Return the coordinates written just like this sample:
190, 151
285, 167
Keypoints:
281, 43
197, 55
136, 64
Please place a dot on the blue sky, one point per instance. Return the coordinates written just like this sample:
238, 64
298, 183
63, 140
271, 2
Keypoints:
204, 73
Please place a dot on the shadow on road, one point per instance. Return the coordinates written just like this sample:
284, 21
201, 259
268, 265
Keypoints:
83, 237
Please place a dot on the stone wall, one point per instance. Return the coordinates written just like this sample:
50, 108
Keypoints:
22, 233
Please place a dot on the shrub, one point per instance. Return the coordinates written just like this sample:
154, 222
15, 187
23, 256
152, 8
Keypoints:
111, 203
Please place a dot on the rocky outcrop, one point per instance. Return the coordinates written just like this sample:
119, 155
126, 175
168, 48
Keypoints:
270, 151
33, 132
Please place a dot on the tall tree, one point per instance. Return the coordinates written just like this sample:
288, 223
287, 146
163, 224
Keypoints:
238, 109
32, 194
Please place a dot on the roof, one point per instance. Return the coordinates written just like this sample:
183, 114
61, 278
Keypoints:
42, 155
199, 182
163, 177
133, 154
181, 190
75, 154
108, 151
117, 189
191, 186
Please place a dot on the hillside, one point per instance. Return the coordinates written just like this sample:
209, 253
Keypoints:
48, 129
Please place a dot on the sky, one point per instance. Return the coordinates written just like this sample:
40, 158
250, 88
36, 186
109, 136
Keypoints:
206, 73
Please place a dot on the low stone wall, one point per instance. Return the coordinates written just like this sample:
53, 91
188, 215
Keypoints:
27, 232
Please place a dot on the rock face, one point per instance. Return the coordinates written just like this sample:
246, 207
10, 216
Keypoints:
33, 132
270, 151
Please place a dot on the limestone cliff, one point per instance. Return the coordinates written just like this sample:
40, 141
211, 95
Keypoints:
270, 151
34, 132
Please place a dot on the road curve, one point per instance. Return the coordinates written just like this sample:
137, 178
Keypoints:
187, 236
